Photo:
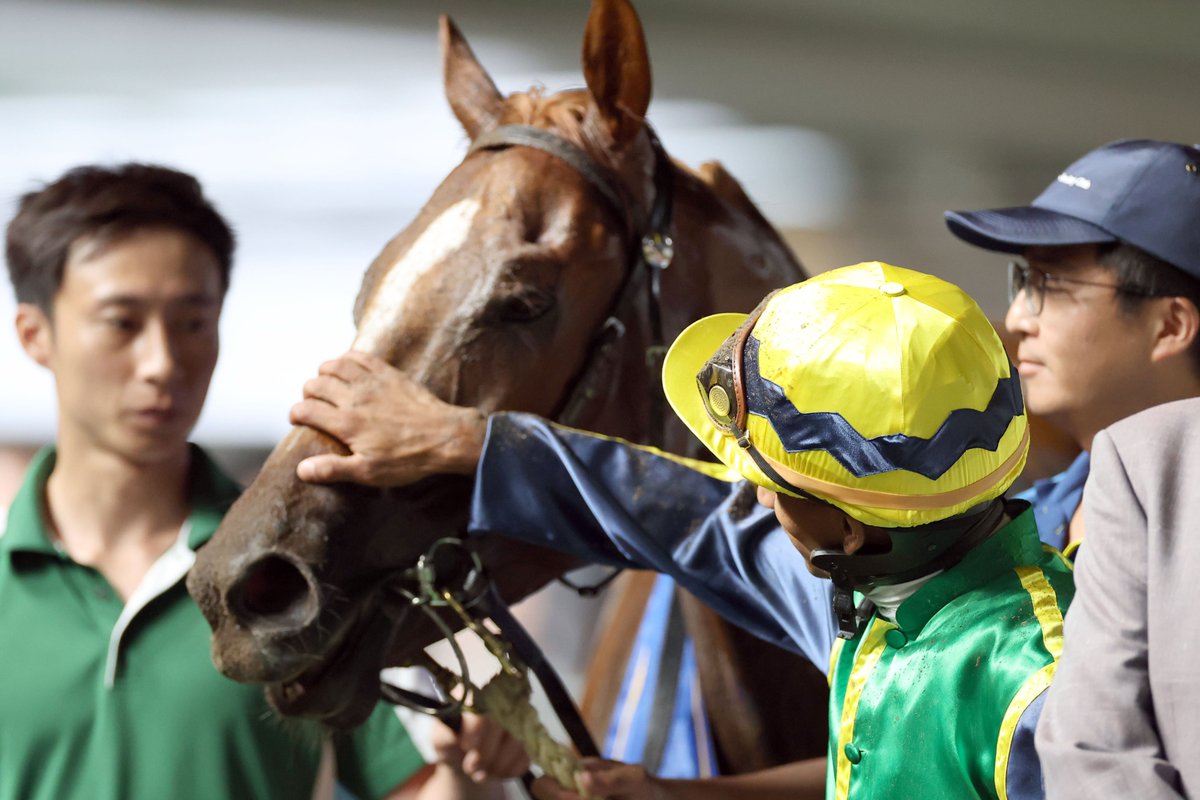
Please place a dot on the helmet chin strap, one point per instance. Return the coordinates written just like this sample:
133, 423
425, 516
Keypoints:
915, 552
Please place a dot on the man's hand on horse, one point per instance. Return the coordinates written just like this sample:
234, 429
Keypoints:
611, 780
396, 430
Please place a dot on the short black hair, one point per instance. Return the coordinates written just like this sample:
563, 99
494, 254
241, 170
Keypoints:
107, 204
1143, 275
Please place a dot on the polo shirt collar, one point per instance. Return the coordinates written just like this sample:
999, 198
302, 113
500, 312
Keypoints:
1015, 544
210, 492
26, 529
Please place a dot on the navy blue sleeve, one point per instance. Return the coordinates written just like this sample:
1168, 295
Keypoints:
606, 501
1024, 775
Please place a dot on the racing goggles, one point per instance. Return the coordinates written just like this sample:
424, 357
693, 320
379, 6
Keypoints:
722, 385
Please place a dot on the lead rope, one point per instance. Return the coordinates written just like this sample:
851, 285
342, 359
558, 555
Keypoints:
506, 699
506, 696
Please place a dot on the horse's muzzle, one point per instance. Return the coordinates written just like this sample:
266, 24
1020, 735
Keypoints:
267, 617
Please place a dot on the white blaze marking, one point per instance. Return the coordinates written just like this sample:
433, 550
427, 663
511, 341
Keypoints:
443, 236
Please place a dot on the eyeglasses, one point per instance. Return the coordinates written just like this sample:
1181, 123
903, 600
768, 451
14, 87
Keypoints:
1033, 281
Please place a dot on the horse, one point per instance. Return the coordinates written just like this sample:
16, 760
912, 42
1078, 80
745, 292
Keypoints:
520, 269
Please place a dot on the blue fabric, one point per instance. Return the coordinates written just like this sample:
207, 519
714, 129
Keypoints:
964, 429
1024, 776
608, 502
1056, 499
689, 750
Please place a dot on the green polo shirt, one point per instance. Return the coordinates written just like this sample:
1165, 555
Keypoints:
106, 700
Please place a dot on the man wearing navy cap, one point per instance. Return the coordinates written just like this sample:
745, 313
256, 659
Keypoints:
1105, 305
1104, 298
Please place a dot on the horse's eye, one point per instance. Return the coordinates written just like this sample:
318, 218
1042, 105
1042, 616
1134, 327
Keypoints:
524, 305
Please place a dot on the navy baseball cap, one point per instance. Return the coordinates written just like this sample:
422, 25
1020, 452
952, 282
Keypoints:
1139, 191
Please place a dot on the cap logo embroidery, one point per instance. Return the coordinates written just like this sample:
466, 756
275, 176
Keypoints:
1075, 181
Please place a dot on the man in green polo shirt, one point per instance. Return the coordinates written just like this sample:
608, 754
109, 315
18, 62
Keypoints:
106, 686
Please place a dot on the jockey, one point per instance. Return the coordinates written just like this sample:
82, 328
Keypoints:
876, 413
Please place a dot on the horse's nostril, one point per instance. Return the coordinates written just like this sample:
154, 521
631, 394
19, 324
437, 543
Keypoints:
273, 591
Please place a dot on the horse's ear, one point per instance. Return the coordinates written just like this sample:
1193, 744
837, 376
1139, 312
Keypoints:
617, 67
473, 96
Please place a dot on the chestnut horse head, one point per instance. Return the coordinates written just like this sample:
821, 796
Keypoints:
492, 297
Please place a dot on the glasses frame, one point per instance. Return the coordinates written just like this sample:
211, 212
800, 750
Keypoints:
1032, 281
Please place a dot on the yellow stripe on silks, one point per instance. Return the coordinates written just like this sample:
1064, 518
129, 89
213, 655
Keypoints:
1070, 549
1037, 683
1064, 558
834, 655
865, 660
1045, 608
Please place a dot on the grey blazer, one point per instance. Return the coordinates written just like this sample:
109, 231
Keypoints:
1122, 718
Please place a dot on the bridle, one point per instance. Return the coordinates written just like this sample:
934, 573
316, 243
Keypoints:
465, 588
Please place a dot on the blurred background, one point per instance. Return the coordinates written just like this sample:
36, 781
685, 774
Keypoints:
320, 128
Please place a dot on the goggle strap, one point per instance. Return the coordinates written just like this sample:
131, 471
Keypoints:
739, 377
772, 473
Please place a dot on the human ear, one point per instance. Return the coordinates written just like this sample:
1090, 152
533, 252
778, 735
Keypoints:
854, 535
34, 333
1178, 327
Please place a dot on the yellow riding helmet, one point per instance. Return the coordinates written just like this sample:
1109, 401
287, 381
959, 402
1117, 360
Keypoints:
883, 391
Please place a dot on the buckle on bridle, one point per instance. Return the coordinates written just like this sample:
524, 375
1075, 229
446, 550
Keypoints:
448, 569
658, 250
